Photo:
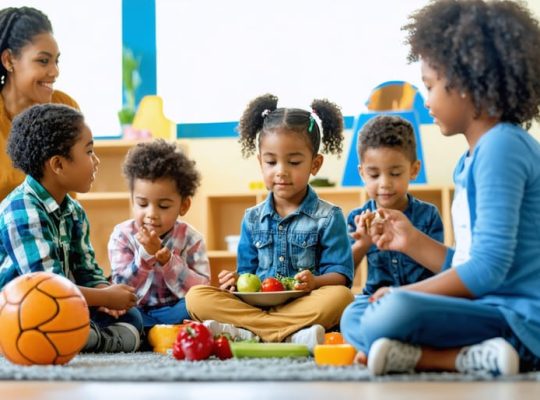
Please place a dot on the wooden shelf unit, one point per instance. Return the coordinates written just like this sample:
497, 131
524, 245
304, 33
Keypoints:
225, 213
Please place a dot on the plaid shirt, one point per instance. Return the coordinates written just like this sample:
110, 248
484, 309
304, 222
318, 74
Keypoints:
38, 234
156, 284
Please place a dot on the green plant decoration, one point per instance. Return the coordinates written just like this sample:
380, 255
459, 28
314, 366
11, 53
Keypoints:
131, 80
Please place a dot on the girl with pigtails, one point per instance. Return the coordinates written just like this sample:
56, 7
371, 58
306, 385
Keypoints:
292, 233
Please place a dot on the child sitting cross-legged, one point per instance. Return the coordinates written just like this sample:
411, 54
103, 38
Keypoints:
43, 229
480, 312
159, 255
388, 162
292, 233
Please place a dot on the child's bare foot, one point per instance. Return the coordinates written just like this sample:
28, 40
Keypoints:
360, 358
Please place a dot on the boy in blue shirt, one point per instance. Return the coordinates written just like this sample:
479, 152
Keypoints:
43, 229
387, 150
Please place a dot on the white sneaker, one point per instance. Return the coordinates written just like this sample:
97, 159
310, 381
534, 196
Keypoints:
217, 328
495, 356
311, 337
386, 355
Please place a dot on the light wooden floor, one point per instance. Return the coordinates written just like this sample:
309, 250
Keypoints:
271, 390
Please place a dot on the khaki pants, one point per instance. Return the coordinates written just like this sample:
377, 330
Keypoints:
323, 306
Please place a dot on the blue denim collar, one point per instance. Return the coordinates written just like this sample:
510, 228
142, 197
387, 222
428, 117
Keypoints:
308, 206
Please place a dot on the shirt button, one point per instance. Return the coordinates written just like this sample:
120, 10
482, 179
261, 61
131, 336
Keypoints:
394, 261
280, 227
258, 244
281, 258
304, 244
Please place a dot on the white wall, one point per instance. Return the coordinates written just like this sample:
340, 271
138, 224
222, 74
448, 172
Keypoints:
89, 35
214, 56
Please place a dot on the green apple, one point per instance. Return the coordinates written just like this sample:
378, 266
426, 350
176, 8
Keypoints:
248, 283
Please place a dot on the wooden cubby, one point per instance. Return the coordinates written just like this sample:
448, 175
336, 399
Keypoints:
225, 212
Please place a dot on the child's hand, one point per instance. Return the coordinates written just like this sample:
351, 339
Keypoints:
163, 255
306, 281
113, 313
227, 280
149, 240
379, 293
361, 235
392, 232
119, 297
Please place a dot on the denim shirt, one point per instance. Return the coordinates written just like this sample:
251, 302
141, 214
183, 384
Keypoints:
392, 268
313, 237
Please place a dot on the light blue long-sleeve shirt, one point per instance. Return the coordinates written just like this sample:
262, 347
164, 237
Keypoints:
502, 181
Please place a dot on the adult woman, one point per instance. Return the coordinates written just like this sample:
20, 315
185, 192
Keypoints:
28, 69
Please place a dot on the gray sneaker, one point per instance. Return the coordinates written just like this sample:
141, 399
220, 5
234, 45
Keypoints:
94, 338
119, 337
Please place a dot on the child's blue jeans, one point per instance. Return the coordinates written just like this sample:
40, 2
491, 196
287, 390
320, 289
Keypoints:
428, 320
132, 316
175, 314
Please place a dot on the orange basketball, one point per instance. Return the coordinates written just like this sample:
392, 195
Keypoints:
44, 319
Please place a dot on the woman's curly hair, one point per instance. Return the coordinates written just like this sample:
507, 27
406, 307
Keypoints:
262, 115
41, 132
388, 131
162, 160
487, 49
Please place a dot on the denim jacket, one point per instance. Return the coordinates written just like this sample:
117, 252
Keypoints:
392, 268
313, 237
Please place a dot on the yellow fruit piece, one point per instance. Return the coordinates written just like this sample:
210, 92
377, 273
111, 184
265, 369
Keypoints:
162, 337
334, 354
333, 338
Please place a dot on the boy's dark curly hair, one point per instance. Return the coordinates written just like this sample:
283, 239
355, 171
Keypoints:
41, 132
262, 116
388, 131
162, 160
487, 49
18, 27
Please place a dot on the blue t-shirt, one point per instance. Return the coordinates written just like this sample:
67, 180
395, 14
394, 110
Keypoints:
313, 237
392, 268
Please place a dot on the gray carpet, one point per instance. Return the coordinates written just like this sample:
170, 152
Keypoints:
157, 367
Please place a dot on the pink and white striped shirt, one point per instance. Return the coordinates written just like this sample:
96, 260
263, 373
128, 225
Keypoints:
156, 284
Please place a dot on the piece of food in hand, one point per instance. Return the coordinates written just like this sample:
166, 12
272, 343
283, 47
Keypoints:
373, 218
248, 283
195, 341
222, 348
272, 285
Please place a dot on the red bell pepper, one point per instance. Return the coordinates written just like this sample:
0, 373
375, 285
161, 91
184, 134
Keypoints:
195, 341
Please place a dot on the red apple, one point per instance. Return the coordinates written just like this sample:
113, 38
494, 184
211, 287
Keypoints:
272, 285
